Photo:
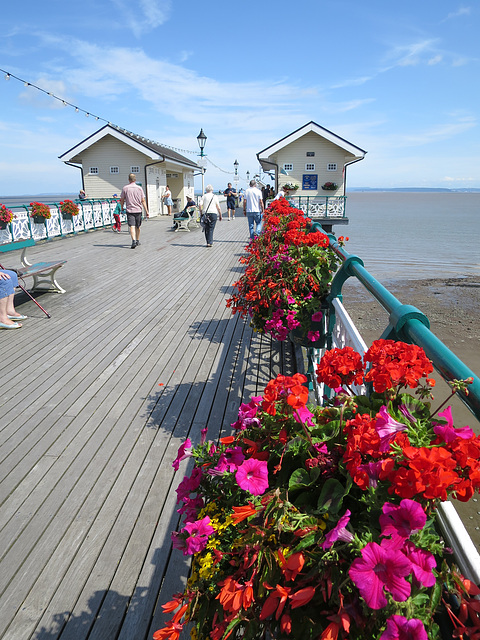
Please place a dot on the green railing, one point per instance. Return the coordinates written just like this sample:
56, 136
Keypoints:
406, 323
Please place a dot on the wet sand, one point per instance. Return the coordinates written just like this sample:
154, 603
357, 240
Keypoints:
453, 307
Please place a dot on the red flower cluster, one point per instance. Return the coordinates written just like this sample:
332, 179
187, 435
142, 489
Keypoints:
288, 273
396, 364
447, 464
339, 367
284, 389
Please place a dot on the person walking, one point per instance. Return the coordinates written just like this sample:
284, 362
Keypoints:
253, 209
209, 217
167, 200
230, 193
134, 198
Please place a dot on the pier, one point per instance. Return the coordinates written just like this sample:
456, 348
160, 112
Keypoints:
140, 353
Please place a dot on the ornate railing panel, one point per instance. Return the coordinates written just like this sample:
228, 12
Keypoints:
93, 214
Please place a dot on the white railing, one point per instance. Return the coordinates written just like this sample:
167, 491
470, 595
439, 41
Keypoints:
93, 214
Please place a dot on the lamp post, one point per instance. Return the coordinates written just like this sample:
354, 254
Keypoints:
248, 178
235, 177
202, 138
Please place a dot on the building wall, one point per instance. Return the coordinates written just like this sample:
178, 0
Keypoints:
106, 153
110, 152
325, 152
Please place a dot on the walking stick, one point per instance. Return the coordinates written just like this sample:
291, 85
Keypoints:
29, 295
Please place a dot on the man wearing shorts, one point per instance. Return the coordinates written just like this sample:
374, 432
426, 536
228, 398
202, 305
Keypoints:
132, 194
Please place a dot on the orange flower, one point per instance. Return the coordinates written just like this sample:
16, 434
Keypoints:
302, 597
241, 513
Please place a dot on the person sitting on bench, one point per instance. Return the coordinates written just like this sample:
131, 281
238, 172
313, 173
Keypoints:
183, 214
8, 315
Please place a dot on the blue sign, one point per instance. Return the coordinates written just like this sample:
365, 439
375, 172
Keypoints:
309, 182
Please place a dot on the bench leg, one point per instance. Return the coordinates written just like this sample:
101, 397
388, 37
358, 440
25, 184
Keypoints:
49, 279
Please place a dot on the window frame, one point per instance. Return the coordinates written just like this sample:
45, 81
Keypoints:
309, 166
332, 166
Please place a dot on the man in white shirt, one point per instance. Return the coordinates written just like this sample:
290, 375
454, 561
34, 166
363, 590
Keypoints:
253, 209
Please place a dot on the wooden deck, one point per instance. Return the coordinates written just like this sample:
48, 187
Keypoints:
94, 402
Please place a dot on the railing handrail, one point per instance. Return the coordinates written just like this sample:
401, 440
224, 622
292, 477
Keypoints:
406, 323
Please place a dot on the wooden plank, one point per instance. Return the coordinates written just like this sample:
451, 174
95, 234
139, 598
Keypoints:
85, 474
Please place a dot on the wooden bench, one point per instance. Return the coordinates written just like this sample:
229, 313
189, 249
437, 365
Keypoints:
182, 222
43, 273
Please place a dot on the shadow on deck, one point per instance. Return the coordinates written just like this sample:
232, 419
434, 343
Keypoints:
139, 353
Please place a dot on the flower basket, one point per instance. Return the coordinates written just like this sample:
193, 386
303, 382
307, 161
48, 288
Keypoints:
6, 216
40, 212
320, 522
69, 209
290, 186
330, 186
288, 271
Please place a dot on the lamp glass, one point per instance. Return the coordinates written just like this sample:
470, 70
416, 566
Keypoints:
202, 138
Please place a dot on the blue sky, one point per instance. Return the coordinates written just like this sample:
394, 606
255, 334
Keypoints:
398, 79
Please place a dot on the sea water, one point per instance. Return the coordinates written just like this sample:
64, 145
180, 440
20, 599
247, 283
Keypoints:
414, 235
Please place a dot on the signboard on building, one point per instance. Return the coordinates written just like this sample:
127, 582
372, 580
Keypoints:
309, 182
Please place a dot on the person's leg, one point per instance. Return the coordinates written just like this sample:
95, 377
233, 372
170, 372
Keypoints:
6, 304
211, 228
131, 221
251, 228
259, 223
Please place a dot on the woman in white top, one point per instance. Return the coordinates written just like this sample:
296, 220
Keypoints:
209, 216
167, 200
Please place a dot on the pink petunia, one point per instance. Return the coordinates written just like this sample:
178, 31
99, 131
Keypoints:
184, 451
372, 469
234, 458
303, 415
448, 432
399, 628
313, 336
387, 428
399, 521
252, 476
247, 413
381, 568
189, 484
198, 533
317, 316
339, 532
423, 563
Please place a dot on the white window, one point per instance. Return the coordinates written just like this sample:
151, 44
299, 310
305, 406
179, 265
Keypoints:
114, 170
93, 170
288, 166
135, 170
310, 166
332, 166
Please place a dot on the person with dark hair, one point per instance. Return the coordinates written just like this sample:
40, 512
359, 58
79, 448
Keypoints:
230, 193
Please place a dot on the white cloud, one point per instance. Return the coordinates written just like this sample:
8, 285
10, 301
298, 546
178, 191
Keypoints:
141, 16
463, 11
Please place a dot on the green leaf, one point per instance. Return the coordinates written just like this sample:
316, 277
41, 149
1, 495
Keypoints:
301, 478
331, 496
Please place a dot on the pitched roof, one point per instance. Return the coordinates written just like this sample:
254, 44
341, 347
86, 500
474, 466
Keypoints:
316, 128
148, 147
